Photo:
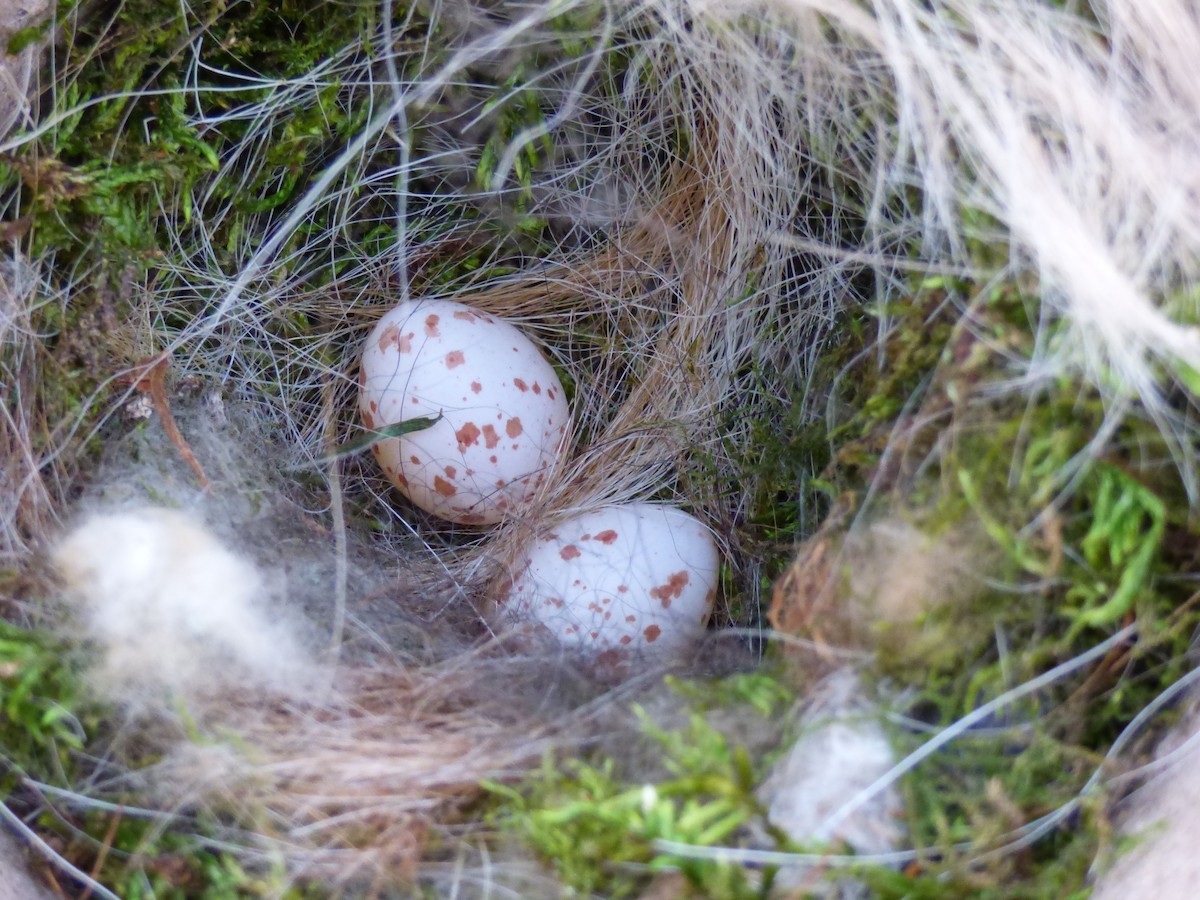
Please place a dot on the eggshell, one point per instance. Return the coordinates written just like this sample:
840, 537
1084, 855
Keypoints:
635, 578
504, 412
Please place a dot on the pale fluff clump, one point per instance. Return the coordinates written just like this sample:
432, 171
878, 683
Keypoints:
171, 612
1159, 823
842, 750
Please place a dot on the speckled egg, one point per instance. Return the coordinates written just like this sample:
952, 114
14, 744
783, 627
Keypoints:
633, 578
504, 413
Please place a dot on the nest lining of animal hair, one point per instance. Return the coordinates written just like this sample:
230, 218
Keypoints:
685, 205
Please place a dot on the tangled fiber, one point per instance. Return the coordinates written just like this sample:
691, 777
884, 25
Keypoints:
684, 203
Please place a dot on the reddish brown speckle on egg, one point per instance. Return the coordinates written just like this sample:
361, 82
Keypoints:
476, 387
520, 385
490, 438
652, 632
515, 350
415, 460
374, 406
631, 619
471, 519
555, 601
595, 634
500, 482
465, 316
362, 377
622, 589
537, 388
672, 589
607, 536
593, 606
625, 639
391, 335
467, 436
569, 552
586, 537
454, 359
431, 326
492, 459
443, 487
402, 480
414, 401
470, 472
607, 616
451, 472
368, 419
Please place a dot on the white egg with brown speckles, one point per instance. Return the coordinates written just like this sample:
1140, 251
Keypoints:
504, 413
628, 579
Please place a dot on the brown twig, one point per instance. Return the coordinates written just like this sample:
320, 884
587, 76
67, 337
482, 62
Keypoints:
153, 381
109, 837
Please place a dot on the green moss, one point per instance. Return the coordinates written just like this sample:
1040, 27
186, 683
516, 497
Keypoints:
599, 830
43, 718
50, 732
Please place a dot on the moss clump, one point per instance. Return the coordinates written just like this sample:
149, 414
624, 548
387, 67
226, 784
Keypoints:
599, 826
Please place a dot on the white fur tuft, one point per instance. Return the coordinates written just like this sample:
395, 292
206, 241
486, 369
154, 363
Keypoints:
842, 750
172, 612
